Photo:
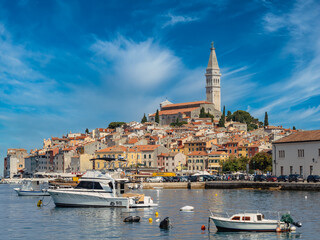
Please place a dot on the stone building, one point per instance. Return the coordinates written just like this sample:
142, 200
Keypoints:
170, 112
297, 153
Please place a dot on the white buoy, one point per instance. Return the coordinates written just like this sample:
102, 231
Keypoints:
187, 209
158, 220
305, 197
293, 228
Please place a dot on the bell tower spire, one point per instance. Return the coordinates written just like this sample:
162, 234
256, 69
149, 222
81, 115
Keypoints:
213, 75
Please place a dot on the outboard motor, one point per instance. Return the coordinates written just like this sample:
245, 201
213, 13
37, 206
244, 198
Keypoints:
132, 219
288, 220
165, 223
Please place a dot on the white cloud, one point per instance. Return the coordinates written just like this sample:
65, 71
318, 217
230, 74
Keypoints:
137, 64
303, 44
174, 19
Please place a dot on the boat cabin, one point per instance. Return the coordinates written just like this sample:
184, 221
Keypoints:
247, 217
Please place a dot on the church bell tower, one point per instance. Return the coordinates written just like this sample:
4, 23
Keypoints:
213, 75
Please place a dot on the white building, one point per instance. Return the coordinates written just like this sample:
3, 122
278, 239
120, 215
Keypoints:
297, 153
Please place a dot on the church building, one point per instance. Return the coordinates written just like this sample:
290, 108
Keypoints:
169, 112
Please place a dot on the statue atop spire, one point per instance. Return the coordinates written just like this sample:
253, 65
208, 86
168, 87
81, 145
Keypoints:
213, 62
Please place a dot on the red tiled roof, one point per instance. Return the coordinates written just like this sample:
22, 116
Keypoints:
198, 153
174, 111
146, 148
305, 136
184, 104
113, 149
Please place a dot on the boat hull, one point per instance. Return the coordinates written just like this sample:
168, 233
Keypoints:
232, 226
90, 199
31, 193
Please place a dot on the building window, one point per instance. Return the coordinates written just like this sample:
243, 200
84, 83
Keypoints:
149, 155
281, 172
281, 154
144, 156
291, 169
301, 170
300, 152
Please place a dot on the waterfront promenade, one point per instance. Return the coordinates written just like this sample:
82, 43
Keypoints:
236, 185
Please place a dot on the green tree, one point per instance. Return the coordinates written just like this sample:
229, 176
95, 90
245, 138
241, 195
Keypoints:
266, 122
157, 119
144, 119
202, 113
114, 125
261, 161
233, 164
229, 116
224, 111
293, 128
87, 131
245, 117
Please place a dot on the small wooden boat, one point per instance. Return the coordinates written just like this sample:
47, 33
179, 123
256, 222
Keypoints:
252, 222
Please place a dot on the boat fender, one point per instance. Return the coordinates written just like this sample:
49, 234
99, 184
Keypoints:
165, 223
150, 220
39, 204
132, 219
203, 227
157, 214
297, 224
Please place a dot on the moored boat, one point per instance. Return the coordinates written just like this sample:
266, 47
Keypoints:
252, 221
97, 189
33, 188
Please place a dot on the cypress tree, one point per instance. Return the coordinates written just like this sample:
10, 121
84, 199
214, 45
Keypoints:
266, 122
202, 113
144, 119
224, 111
157, 119
293, 128
229, 116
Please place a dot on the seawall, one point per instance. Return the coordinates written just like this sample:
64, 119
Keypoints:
236, 185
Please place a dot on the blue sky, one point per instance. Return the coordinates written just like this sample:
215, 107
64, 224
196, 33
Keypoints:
71, 65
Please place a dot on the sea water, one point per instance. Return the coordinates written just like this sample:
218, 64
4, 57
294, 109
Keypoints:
20, 218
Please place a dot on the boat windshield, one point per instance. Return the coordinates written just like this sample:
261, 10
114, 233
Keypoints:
89, 185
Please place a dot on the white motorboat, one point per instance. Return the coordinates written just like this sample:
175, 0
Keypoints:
33, 188
249, 221
96, 189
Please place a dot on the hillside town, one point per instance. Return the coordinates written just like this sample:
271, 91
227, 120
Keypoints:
184, 137
197, 146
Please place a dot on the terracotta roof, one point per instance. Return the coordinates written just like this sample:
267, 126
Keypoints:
215, 153
174, 111
113, 149
184, 104
133, 140
146, 148
305, 136
198, 153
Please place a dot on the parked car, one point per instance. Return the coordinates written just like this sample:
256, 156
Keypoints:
193, 178
313, 178
175, 179
184, 179
295, 178
260, 178
283, 178
155, 179
271, 178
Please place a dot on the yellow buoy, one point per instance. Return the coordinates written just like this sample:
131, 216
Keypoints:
150, 220
216, 194
157, 214
39, 203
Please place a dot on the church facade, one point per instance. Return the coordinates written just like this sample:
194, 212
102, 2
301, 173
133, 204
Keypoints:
170, 112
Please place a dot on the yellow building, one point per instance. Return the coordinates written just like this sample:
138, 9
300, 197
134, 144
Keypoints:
117, 152
193, 146
215, 160
197, 161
